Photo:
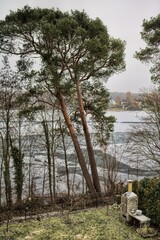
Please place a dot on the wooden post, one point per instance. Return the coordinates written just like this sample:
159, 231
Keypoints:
130, 185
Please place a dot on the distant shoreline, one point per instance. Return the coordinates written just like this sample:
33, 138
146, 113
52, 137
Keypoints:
123, 110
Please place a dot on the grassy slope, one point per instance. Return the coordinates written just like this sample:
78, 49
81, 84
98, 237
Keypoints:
98, 224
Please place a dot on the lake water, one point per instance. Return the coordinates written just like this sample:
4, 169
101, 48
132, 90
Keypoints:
126, 119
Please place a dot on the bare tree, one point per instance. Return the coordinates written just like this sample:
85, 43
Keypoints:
11, 131
7, 97
144, 141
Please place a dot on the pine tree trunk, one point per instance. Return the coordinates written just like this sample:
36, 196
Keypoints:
90, 150
76, 145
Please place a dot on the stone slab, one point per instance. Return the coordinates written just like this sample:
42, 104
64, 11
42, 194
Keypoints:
142, 218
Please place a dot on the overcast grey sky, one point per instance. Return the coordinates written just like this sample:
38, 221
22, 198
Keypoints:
123, 19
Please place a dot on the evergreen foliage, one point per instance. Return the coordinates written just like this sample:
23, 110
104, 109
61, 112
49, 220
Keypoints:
151, 53
149, 198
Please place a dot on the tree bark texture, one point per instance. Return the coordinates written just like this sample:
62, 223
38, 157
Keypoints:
90, 150
76, 145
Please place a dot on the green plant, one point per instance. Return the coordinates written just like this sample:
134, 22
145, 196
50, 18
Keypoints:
146, 231
18, 167
149, 198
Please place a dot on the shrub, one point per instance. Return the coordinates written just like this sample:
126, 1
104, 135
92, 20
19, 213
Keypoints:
149, 198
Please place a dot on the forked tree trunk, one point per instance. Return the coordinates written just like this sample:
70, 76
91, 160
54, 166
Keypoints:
76, 145
90, 150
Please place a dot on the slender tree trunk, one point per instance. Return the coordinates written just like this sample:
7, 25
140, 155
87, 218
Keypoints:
76, 145
65, 158
29, 172
1, 170
21, 156
45, 126
7, 179
53, 171
44, 180
6, 160
90, 150
53, 147
74, 176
